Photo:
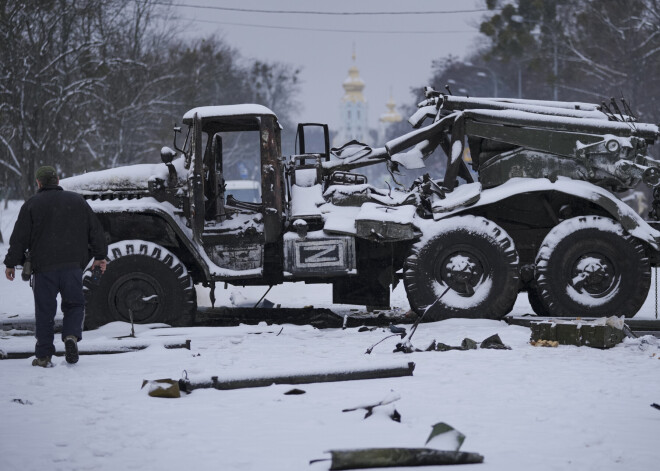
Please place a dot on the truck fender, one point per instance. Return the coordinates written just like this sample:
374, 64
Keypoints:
164, 211
632, 222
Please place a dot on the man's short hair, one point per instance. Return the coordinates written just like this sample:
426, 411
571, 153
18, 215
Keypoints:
47, 176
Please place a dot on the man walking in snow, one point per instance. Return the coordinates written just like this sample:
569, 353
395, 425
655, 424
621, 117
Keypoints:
60, 231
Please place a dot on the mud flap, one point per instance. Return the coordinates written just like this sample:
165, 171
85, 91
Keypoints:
362, 291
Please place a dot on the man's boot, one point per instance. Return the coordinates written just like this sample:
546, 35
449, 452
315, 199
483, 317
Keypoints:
71, 349
43, 362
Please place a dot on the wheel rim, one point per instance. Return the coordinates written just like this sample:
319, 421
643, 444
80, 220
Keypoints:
595, 275
462, 269
136, 294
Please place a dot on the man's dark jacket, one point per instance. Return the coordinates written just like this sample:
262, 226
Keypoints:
60, 230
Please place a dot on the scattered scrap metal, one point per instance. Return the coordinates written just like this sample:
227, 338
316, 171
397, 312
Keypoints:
186, 385
24, 402
441, 433
405, 346
392, 457
494, 342
369, 408
321, 377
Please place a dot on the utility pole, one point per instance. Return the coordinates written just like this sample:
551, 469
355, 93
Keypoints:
555, 68
493, 76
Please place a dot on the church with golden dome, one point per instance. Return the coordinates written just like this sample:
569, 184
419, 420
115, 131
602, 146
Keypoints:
354, 112
388, 118
353, 109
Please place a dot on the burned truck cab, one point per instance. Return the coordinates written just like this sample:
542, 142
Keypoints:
242, 239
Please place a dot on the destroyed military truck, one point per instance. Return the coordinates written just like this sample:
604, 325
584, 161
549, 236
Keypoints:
527, 203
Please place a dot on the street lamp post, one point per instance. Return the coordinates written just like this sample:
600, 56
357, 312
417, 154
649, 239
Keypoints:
555, 59
483, 74
519, 63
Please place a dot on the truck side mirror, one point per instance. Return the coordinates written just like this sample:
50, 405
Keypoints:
167, 154
314, 138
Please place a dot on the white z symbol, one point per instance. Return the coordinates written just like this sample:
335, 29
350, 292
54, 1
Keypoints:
319, 256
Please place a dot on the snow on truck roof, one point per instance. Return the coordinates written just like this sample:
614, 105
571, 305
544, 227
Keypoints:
127, 178
247, 109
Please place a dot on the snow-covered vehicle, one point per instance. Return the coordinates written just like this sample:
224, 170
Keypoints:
541, 218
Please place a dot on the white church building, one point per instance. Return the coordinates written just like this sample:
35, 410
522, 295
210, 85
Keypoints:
354, 113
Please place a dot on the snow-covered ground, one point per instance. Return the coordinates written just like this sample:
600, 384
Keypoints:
524, 408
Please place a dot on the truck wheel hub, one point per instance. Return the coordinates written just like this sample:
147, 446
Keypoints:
593, 274
462, 272
136, 294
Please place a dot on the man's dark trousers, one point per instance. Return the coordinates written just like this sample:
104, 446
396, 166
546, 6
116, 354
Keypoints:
46, 285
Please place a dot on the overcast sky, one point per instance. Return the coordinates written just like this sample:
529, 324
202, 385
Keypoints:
396, 56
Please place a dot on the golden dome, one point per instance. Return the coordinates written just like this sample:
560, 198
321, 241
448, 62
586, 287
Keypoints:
353, 85
391, 115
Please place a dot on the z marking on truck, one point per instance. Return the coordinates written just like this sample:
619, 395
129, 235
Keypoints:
320, 254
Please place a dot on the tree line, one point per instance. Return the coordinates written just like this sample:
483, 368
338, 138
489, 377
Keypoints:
93, 84
572, 50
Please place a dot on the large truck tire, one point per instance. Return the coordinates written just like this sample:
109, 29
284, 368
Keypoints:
143, 281
471, 258
588, 266
534, 298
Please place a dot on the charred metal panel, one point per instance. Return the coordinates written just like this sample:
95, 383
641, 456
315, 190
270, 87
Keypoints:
385, 230
127, 226
272, 187
237, 257
237, 249
544, 140
196, 181
319, 257
378, 223
527, 164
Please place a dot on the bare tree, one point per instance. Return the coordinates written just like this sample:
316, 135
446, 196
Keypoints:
68, 70
588, 50
91, 84
50, 72
615, 55
140, 87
